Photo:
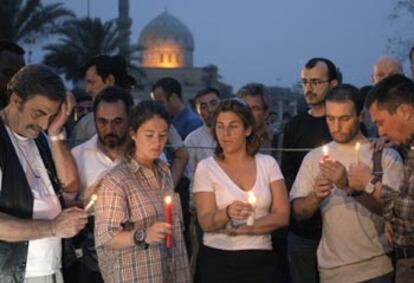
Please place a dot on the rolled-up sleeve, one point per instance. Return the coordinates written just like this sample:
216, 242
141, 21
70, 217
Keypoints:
110, 211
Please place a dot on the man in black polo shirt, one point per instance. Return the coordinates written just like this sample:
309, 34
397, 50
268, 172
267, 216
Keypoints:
306, 131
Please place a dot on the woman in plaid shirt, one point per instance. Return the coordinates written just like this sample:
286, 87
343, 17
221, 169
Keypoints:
130, 226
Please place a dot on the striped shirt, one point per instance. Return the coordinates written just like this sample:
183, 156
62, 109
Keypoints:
398, 206
131, 197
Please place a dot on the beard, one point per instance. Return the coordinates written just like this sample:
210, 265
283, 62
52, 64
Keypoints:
112, 140
313, 99
343, 137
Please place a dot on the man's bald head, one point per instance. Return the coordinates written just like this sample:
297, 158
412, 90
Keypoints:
385, 67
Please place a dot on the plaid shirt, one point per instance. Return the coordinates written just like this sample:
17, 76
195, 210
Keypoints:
398, 206
131, 196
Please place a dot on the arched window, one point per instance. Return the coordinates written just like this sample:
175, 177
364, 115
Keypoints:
162, 57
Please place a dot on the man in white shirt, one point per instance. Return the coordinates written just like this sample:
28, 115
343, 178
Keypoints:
96, 157
200, 142
353, 246
32, 175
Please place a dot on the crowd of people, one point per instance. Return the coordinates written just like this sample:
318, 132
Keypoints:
156, 191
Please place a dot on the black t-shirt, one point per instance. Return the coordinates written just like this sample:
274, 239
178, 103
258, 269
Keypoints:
303, 131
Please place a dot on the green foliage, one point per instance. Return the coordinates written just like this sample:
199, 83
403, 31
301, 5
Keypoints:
26, 19
80, 40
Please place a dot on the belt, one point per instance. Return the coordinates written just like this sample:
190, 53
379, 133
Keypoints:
404, 252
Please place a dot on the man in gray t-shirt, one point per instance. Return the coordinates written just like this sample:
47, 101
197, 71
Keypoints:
353, 247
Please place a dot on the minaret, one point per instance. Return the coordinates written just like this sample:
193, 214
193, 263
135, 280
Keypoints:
124, 25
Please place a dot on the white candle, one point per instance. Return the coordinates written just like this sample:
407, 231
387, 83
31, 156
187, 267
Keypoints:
252, 200
357, 149
91, 203
325, 152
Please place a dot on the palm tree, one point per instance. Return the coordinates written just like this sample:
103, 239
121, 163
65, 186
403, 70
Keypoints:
27, 19
80, 40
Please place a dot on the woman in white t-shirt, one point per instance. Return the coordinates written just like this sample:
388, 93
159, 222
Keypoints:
232, 250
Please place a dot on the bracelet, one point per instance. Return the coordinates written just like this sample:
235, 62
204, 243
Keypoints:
60, 137
227, 212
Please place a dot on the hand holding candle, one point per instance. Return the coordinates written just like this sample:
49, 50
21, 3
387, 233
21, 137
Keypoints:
253, 201
168, 219
91, 203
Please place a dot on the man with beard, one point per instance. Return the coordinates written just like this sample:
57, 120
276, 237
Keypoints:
353, 246
96, 157
307, 130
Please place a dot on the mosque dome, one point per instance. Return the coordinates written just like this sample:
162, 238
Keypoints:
165, 42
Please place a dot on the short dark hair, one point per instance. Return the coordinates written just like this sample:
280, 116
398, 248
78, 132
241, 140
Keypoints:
410, 55
344, 93
242, 110
112, 65
332, 70
205, 91
113, 94
169, 86
391, 92
7, 45
141, 113
255, 89
37, 79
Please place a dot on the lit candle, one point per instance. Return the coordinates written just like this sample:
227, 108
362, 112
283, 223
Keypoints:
325, 153
357, 149
91, 203
252, 200
168, 219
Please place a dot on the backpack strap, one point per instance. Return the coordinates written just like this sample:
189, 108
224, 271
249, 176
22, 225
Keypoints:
377, 164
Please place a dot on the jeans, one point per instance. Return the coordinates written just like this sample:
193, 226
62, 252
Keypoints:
303, 266
387, 278
404, 270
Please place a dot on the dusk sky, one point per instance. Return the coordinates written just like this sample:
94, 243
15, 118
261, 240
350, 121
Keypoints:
267, 40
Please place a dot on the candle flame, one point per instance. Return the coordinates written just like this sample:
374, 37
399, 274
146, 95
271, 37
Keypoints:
252, 198
357, 146
325, 150
168, 199
94, 197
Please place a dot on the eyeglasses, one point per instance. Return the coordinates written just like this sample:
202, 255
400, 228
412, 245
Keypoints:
313, 82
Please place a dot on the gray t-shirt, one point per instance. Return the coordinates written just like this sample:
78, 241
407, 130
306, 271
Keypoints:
353, 245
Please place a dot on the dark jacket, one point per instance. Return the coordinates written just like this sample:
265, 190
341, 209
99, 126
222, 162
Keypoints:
16, 199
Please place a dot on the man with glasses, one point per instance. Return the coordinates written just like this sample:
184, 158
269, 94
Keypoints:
306, 131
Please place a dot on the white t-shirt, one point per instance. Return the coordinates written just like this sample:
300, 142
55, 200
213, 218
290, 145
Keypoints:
201, 144
353, 245
44, 255
210, 177
92, 163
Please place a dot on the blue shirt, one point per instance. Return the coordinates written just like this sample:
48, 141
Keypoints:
186, 121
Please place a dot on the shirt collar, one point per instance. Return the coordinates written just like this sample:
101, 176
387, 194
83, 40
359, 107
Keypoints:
134, 165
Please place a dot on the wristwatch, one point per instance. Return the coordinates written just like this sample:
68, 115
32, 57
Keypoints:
370, 187
139, 239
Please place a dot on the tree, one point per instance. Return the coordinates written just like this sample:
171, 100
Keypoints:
79, 41
401, 41
27, 19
